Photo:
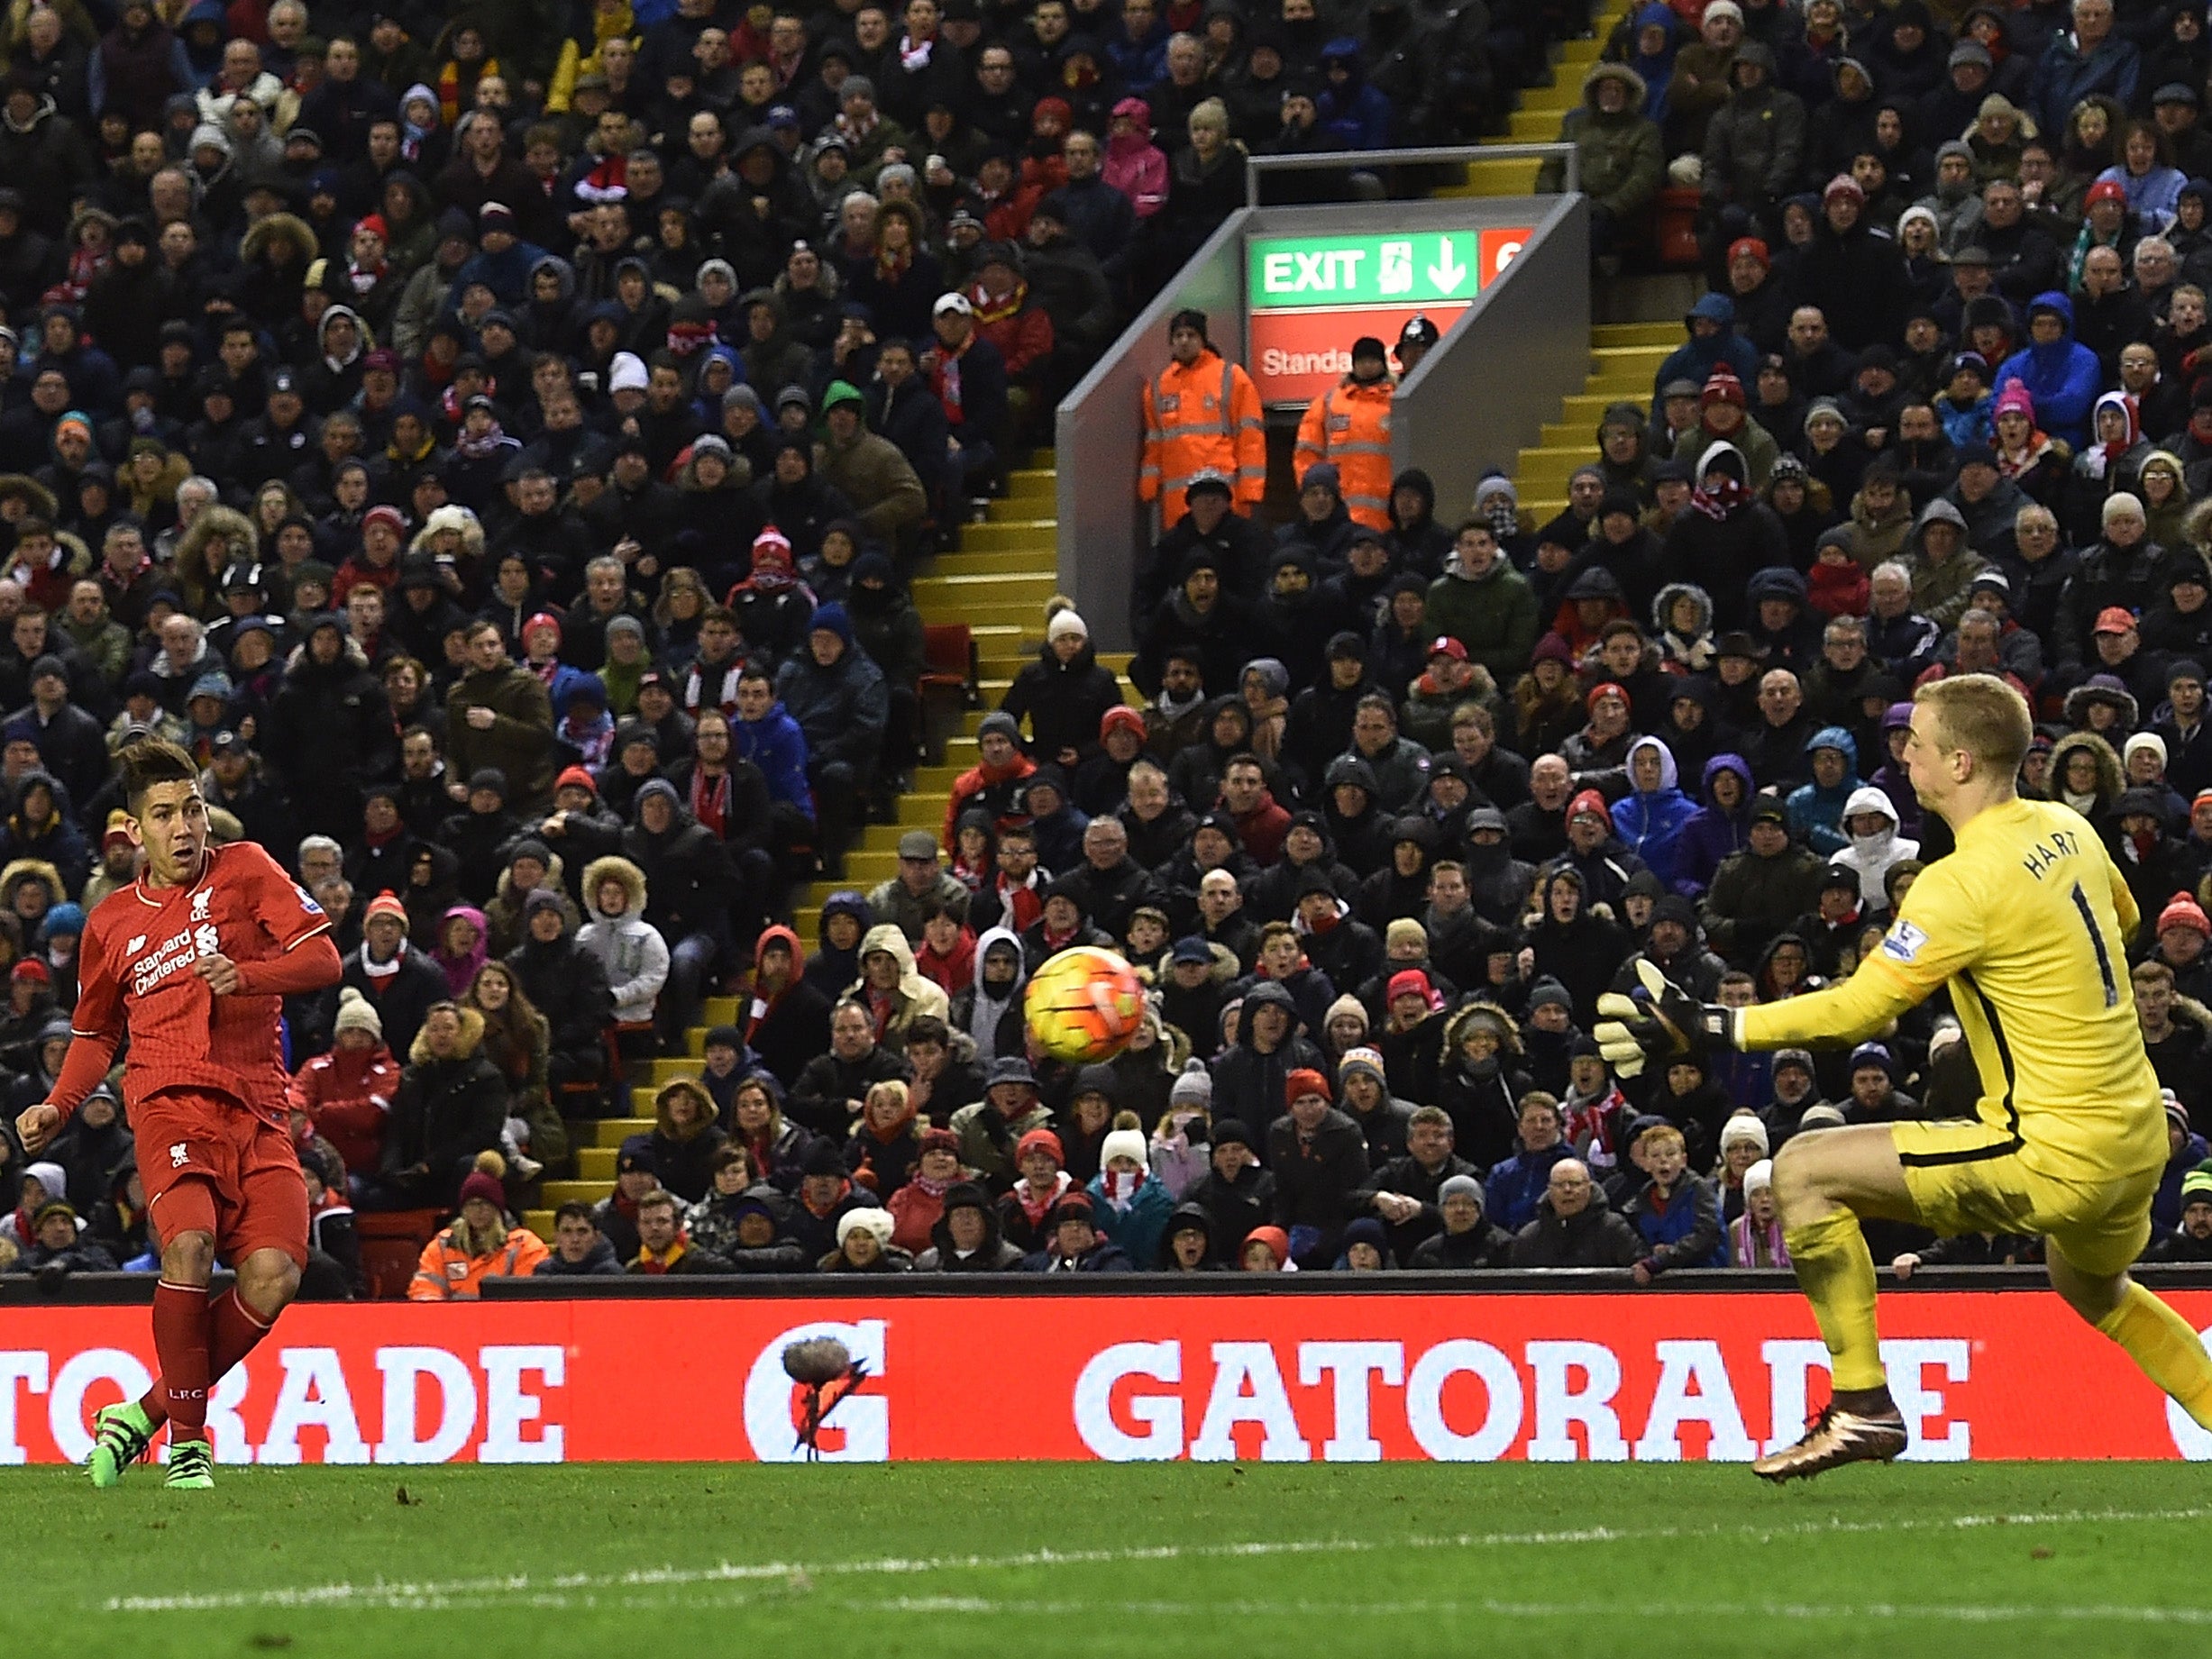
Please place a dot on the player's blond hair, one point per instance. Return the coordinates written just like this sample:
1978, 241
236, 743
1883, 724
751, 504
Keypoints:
1983, 715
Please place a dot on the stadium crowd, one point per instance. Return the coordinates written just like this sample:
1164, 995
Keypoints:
496, 443
546, 612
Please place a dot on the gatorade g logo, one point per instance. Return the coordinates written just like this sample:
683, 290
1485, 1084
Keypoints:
857, 1432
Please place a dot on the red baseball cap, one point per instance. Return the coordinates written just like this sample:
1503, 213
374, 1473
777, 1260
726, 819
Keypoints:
1612, 688
1444, 646
2114, 619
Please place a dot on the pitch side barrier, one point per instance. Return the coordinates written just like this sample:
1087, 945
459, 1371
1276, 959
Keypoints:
1286, 290
1304, 1368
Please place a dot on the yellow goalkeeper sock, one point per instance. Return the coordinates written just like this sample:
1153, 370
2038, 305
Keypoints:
1836, 1272
2161, 1341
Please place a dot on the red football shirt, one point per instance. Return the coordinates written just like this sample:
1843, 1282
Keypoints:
135, 962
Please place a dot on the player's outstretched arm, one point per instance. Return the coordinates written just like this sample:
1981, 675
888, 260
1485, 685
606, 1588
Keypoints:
1861, 1007
1662, 1021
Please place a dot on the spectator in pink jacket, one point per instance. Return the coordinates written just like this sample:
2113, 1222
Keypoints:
1135, 165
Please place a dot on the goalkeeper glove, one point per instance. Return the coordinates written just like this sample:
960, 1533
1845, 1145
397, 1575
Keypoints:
1660, 1022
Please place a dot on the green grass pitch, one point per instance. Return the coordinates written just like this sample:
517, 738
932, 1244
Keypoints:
2083, 1560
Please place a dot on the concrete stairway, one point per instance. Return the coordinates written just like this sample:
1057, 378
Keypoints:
1542, 110
1624, 358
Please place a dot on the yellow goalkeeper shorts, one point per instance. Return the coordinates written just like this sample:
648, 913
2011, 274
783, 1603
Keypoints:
1967, 1176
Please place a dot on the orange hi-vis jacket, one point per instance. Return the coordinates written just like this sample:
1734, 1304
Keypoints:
448, 1273
1349, 426
1201, 418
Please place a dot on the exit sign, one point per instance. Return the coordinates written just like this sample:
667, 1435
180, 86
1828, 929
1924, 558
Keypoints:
1431, 268
1309, 297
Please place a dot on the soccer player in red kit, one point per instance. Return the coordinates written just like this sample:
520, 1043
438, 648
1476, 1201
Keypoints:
191, 961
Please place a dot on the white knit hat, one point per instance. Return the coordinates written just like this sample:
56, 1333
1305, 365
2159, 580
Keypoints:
357, 1013
1122, 1144
1066, 622
1744, 1127
2146, 740
1759, 1178
875, 1221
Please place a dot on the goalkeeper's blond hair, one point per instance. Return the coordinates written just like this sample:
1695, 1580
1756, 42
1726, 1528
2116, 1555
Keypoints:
1983, 715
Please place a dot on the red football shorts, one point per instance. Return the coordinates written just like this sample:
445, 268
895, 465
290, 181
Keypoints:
207, 1166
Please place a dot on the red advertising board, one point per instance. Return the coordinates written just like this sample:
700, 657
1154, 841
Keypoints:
1458, 1377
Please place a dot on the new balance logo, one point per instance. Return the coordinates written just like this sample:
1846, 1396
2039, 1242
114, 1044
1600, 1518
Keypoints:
178, 1154
138, 943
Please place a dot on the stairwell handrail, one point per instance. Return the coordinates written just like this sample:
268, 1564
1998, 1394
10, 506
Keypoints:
1371, 161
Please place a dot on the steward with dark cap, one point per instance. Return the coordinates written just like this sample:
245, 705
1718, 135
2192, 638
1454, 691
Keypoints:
1202, 411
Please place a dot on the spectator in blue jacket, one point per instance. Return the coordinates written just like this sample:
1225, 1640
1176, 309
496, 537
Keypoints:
1649, 820
1816, 809
1716, 829
1353, 115
2061, 373
771, 739
1714, 341
1517, 1184
1675, 1214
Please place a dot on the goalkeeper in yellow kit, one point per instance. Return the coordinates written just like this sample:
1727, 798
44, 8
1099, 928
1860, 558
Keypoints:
2027, 923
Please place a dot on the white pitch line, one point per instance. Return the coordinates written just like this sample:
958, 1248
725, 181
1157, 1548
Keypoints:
1533, 1610
508, 1588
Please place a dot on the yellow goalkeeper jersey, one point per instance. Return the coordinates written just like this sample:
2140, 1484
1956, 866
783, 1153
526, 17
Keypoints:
2027, 921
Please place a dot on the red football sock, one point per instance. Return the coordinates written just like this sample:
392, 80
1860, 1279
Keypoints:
233, 1329
180, 1343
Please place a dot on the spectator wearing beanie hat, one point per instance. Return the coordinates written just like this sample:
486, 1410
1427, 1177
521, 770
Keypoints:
1181, 1142
1723, 417
1743, 1142
1129, 1204
1074, 1243
478, 1245
2182, 933
1064, 694
346, 1093
1044, 1181
864, 1244
2192, 1237
1363, 1085
1318, 1158
917, 1204
398, 980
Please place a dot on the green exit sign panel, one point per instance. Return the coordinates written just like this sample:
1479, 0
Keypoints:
1316, 272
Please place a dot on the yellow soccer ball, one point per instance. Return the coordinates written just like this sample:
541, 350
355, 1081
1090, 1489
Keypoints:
1083, 1005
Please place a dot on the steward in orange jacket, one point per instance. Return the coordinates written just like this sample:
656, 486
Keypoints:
1202, 412
1349, 424
477, 1246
